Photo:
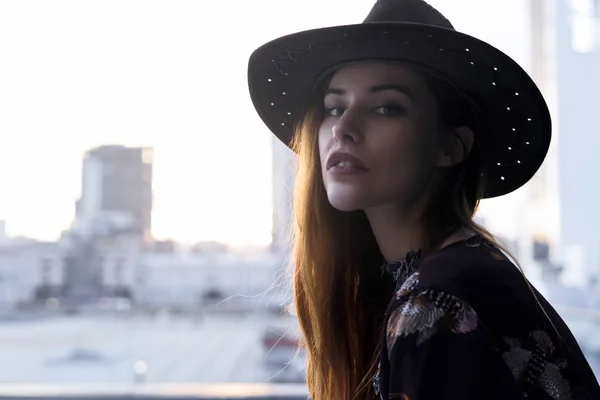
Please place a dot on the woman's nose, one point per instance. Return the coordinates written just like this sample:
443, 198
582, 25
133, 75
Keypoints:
347, 127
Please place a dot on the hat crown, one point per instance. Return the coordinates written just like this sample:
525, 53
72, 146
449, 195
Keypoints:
412, 11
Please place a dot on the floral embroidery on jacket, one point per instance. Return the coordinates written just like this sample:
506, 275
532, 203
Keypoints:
532, 363
408, 286
401, 269
422, 312
377, 381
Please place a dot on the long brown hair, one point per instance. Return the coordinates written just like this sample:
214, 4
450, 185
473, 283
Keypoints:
339, 292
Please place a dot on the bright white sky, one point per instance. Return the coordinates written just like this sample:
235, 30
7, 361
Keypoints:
168, 74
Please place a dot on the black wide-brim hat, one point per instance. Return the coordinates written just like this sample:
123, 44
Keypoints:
514, 121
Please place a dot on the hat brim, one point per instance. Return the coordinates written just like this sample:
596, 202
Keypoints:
515, 120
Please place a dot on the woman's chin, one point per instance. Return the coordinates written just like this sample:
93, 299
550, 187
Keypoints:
346, 204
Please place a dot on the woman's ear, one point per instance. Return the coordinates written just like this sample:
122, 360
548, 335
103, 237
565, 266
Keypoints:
456, 146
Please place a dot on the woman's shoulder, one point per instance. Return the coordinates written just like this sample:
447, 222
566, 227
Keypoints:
463, 284
471, 293
474, 270
476, 274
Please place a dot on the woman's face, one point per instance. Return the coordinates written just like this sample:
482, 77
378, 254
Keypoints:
380, 139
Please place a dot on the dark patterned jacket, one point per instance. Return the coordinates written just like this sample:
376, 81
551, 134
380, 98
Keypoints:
466, 325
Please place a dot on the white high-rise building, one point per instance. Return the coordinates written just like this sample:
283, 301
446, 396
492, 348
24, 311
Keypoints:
578, 72
539, 215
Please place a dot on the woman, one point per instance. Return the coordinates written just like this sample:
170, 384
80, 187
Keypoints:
402, 125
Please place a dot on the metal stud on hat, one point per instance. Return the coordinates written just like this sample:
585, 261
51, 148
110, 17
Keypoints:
515, 124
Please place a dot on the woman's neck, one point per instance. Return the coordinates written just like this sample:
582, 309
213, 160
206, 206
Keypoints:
397, 233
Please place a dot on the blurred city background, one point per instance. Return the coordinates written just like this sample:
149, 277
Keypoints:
145, 208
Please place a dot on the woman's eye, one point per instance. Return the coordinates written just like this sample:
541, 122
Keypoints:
335, 111
388, 110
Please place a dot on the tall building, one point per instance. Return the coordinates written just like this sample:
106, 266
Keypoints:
283, 182
578, 57
116, 191
539, 213
113, 219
